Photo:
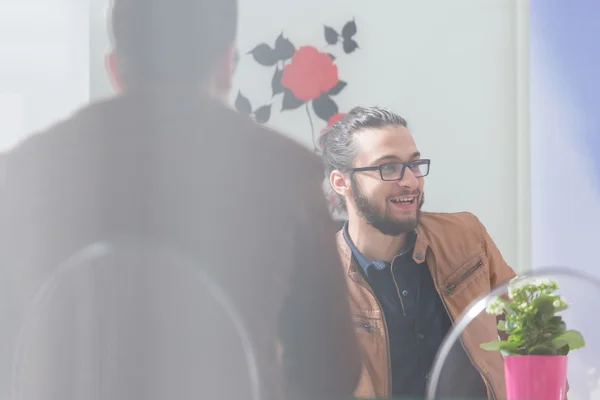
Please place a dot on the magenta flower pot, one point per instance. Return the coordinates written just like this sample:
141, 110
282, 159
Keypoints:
535, 377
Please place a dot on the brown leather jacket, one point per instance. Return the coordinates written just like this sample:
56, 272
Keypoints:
465, 264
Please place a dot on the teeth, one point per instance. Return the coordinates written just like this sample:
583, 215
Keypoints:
403, 200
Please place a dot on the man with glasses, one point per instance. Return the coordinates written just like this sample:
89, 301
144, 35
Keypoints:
410, 273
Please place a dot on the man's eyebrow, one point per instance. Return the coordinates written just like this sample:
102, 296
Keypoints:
392, 157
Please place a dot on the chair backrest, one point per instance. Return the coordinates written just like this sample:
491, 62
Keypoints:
132, 319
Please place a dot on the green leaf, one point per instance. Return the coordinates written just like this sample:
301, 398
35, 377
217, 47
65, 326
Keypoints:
513, 348
498, 345
544, 306
557, 326
509, 306
572, 338
543, 349
512, 326
543, 299
561, 308
492, 346
563, 351
502, 326
516, 337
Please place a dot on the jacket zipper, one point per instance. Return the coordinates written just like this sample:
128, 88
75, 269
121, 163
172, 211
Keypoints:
397, 288
387, 336
449, 291
366, 326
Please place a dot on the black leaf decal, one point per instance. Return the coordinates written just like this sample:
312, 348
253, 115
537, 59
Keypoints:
276, 82
242, 104
290, 101
332, 56
331, 35
349, 29
337, 88
284, 49
350, 45
263, 114
324, 107
264, 55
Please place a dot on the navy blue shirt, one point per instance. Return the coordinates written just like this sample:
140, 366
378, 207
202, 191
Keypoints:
415, 316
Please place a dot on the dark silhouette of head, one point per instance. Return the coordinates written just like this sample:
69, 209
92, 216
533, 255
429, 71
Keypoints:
172, 43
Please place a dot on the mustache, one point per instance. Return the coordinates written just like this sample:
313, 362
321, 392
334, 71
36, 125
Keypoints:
407, 193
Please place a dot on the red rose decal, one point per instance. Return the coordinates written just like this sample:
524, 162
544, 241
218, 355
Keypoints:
335, 118
304, 77
309, 74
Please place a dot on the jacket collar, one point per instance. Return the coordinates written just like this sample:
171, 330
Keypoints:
350, 265
367, 264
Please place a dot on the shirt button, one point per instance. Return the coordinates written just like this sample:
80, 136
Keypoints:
405, 293
420, 256
427, 376
420, 336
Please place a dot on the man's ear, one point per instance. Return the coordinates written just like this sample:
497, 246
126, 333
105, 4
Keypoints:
340, 183
221, 80
111, 65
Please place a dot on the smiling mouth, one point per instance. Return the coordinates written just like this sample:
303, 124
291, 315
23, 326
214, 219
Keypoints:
404, 200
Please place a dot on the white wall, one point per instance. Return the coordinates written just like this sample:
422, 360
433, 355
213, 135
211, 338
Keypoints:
44, 47
448, 67
451, 68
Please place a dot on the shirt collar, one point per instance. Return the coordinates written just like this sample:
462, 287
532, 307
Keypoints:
365, 263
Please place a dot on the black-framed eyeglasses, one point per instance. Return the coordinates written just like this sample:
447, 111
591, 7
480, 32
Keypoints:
395, 171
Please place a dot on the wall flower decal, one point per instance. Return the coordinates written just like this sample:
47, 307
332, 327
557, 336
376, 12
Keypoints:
305, 76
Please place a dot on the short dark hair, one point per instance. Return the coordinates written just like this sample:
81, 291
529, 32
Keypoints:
169, 41
337, 142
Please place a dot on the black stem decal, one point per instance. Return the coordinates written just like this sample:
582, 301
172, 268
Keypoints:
312, 127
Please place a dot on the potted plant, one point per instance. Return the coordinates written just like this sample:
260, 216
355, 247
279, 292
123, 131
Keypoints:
534, 340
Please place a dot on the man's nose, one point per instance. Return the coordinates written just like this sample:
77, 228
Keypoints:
408, 179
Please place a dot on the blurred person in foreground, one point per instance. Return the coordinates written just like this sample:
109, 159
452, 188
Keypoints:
410, 273
166, 159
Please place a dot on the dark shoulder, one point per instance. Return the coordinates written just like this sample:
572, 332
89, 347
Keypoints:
286, 159
31, 157
204, 119
199, 133
292, 155
63, 134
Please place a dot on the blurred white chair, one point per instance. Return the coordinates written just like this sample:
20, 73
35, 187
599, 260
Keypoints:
131, 319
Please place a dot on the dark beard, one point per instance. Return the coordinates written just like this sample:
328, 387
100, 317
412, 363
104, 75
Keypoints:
379, 220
